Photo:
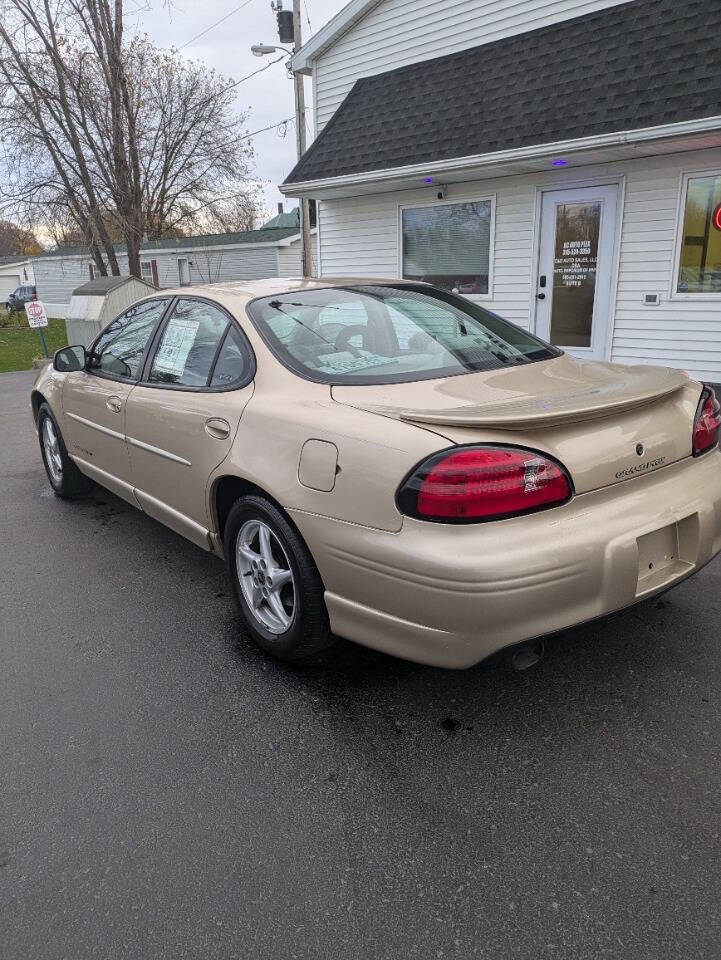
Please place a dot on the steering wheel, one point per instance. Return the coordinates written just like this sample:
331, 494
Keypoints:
341, 341
422, 342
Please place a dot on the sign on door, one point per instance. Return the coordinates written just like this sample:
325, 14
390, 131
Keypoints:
574, 299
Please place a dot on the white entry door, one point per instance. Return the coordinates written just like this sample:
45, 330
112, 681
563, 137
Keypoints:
183, 271
575, 266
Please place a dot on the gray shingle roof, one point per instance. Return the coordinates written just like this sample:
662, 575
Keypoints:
102, 285
192, 243
18, 258
263, 235
640, 64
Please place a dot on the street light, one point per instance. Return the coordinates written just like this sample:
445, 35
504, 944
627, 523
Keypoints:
263, 49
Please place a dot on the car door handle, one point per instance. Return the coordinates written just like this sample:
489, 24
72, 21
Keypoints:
114, 403
217, 428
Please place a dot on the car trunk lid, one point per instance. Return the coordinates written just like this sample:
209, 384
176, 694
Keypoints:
605, 422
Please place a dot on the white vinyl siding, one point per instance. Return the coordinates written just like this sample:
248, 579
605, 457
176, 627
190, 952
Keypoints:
20, 271
58, 276
399, 32
215, 265
289, 259
360, 236
678, 332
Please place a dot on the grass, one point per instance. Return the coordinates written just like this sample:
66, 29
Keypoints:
19, 344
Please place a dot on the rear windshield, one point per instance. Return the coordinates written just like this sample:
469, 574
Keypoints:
387, 334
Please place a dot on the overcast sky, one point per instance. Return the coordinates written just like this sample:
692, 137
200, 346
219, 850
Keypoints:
226, 47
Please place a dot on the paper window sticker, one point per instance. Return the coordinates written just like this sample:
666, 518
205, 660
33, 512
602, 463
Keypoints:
345, 362
178, 341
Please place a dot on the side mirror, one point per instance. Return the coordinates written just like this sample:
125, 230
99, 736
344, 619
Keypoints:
70, 359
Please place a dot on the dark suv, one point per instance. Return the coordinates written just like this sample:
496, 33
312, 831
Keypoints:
20, 296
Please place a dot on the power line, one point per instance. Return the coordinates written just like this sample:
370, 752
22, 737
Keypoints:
214, 25
280, 123
307, 16
235, 83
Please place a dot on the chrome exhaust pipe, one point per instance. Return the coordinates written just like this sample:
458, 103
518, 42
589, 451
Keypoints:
527, 655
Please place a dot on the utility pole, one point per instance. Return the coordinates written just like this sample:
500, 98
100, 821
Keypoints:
290, 31
306, 250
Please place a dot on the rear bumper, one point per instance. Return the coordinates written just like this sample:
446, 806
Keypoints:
452, 595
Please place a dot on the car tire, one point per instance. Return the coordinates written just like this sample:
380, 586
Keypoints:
64, 477
288, 621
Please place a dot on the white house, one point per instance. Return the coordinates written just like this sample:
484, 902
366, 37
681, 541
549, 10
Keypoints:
559, 162
271, 251
14, 272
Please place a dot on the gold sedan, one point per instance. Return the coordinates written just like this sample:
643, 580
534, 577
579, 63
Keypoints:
388, 462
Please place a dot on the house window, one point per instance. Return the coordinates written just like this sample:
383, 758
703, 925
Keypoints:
449, 245
146, 270
700, 259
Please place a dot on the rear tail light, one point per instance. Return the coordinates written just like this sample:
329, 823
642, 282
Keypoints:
707, 423
468, 484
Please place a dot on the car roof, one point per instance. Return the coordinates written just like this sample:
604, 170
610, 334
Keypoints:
250, 289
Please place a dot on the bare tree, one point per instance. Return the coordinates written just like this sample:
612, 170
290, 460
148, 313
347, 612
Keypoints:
208, 263
17, 241
108, 138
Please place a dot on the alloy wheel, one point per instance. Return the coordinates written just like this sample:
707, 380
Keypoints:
51, 446
265, 576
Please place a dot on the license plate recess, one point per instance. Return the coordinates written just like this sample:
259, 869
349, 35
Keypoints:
666, 554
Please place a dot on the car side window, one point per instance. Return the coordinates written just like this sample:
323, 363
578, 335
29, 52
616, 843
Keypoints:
189, 344
234, 361
120, 348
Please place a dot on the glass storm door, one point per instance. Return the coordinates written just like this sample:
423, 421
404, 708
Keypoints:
573, 306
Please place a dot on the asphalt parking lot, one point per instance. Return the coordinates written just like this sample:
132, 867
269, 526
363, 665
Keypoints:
166, 791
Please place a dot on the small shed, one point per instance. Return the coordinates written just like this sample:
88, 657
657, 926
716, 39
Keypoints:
94, 304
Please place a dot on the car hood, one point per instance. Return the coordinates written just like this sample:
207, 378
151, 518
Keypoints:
525, 397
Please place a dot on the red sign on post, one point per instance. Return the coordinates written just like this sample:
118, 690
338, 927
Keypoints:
35, 311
